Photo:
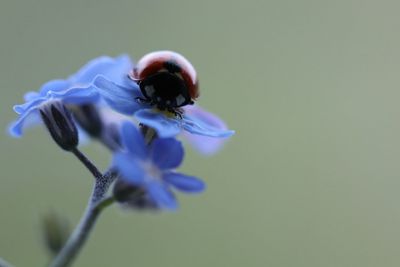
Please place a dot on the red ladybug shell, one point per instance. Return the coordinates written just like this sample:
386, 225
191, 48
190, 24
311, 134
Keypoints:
154, 62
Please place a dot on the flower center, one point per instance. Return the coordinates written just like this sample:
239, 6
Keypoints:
152, 171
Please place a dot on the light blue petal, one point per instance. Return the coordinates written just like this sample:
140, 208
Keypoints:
165, 127
195, 125
133, 140
130, 168
114, 68
76, 89
29, 118
31, 96
161, 196
204, 144
119, 98
185, 183
28, 105
118, 73
167, 153
54, 85
76, 95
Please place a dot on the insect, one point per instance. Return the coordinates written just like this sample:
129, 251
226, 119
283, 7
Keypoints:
167, 80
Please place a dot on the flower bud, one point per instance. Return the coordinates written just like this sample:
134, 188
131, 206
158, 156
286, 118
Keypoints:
88, 117
58, 121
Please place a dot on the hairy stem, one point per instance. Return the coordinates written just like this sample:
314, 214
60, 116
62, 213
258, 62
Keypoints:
88, 164
97, 203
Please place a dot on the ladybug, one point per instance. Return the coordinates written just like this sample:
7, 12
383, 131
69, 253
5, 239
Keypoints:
167, 80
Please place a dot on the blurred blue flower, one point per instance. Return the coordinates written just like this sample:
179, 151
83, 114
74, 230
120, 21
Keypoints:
152, 167
194, 119
205, 144
76, 89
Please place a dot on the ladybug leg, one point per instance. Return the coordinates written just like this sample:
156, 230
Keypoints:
142, 100
177, 112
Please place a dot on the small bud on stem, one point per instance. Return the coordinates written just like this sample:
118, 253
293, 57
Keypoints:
58, 121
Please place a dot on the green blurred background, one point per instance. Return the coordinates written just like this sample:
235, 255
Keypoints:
312, 176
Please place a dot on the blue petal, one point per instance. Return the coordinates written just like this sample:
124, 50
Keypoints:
185, 183
115, 69
121, 99
161, 196
28, 105
29, 118
54, 85
118, 73
130, 168
76, 95
165, 127
31, 96
54, 88
112, 125
77, 89
204, 144
197, 126
133, 140
167, 153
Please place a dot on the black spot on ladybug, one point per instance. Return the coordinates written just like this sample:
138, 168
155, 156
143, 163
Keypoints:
172, 66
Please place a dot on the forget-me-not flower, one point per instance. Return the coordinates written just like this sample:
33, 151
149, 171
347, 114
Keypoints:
193, 120
76, 89
153, 167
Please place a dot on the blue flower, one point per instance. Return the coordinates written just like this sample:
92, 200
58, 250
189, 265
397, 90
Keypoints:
205, 144
194, 120
152, 167
76, 89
